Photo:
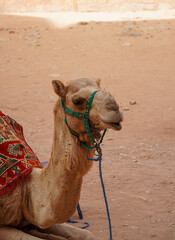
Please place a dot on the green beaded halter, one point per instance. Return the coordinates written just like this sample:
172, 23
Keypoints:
85, 117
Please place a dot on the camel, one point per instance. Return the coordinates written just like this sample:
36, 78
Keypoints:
39, 208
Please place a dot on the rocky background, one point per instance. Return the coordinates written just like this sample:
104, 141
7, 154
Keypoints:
81, 5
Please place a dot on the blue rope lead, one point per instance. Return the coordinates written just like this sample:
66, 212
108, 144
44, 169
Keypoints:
86, 224
79, 212
99, 159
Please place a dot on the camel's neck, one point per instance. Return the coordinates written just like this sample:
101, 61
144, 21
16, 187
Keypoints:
65, 170
67, 152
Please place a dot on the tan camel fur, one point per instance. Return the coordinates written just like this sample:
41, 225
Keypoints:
39, 207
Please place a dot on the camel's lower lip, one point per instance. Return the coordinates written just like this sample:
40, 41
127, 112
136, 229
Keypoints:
117, 126
114, 125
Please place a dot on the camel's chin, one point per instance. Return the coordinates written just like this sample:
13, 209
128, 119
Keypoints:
115, 126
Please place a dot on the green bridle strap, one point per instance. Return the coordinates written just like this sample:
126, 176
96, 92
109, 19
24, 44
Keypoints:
80, 115
85, 117
70, 112
77, 135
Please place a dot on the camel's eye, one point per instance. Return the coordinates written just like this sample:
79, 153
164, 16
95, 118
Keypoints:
78, 101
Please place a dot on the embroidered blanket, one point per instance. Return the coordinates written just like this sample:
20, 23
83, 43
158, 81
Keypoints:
16, 157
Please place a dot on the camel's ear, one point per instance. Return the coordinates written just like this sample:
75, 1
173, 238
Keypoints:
59, 88
98, 81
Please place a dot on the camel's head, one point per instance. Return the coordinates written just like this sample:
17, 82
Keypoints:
104, 112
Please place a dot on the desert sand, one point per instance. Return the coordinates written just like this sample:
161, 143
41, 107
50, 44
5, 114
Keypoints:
135, 61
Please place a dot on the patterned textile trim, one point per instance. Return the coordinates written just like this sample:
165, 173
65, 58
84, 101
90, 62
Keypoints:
16, 157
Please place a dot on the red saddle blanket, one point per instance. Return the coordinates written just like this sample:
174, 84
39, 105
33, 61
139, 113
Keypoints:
16, 157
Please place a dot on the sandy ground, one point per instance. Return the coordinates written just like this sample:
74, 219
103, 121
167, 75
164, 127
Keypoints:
135, 61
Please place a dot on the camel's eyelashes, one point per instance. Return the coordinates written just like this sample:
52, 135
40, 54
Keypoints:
78, 101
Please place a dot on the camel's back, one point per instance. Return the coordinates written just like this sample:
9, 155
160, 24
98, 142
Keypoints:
17, 161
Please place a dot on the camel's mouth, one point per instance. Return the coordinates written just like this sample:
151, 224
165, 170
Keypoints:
114, 125
95, 131
117, 126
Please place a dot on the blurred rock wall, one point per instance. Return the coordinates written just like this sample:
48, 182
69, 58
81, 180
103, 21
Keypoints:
84, 5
